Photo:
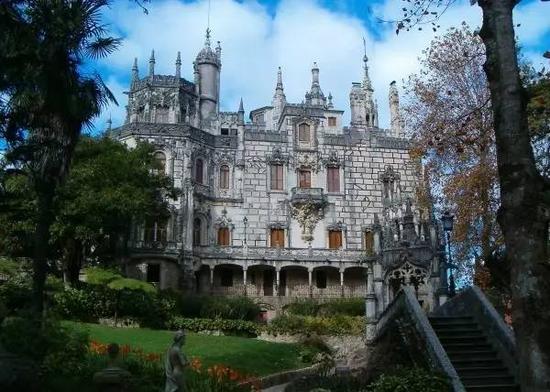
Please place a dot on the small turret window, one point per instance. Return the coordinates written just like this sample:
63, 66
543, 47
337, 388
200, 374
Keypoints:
332, 121
304, 132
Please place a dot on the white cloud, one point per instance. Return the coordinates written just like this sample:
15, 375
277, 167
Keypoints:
254, 43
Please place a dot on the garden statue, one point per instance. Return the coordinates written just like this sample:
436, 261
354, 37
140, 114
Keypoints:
174, 364
112, 378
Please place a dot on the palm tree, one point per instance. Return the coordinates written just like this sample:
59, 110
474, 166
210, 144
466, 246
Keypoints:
47, 96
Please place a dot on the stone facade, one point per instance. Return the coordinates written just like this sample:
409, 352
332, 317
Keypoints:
289, 204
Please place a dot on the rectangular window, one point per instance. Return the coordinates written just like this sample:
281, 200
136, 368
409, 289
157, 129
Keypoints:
333, 179
305, 179
226, 277
223, 236
332, 121
277, 238
369, 243
321, 279
334, 239
277, 177
225, 131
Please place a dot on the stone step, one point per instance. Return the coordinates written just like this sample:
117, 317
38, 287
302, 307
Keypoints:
469, 363
474, 354
467, 346
449, 320
481, 370
453, 326
487, 380
467, 333
477, 340
493, 388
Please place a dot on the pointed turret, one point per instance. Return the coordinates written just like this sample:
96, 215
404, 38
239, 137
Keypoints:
208, 66
178, 66
395, 117
315, 95
330, 104
279, 98
219, 51
364, 110
135, 71
152, 64
109, 124
240, 113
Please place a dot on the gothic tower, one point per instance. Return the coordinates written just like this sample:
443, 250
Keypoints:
207, 71
364, 109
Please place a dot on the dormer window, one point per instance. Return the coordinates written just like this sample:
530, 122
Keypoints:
304, 133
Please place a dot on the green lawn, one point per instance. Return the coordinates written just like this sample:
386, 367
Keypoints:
247, 355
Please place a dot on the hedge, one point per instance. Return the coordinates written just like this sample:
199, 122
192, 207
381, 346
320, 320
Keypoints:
232, 327
336, 325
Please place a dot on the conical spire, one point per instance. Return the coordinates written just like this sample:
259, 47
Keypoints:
366, 78
279, 98
152, 63
135, 71
178, 66
315, 95
241, 107
240, 113
109, 123
279, 80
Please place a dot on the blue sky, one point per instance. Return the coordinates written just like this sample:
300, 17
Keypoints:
257, 36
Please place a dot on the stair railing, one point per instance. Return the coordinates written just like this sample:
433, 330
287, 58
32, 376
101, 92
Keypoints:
472, 302
405, 306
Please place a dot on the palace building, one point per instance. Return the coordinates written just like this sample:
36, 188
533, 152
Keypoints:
286, 203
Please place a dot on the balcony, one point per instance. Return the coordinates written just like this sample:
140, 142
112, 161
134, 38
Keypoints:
308, 195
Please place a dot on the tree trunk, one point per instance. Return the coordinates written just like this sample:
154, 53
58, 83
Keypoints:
73, 260
41, 245
522, 215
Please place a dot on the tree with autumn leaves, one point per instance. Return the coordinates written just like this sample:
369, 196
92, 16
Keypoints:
448, 110
524, 212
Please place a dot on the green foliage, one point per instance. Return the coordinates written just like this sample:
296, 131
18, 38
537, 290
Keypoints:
335, 325
343, 306
232, 327
410, 380
232, 308
303, 307
101, 276
41, 339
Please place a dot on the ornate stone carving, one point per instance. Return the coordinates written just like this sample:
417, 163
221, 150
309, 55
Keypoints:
409, 275
308, 214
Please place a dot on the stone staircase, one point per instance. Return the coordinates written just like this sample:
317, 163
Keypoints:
472, 355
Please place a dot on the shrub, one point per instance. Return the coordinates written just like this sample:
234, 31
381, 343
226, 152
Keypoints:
232, 327
231, 308
336, 325
410, 380
311, 307
347, 306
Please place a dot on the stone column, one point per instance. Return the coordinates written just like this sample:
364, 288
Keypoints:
277, 280
211, 278
244, 280
342, 282
370, 306
310, 281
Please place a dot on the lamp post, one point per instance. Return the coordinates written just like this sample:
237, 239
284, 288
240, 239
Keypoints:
447, 219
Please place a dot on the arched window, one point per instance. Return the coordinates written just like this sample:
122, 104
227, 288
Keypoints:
224, 177
197, 228
156, 230
303, 133
199, 171
159, 162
